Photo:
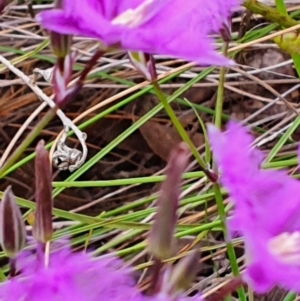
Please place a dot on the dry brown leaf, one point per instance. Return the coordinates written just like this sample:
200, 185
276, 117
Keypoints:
160, 138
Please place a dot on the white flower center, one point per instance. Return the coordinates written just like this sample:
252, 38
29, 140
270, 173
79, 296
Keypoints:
133, 17
286, 248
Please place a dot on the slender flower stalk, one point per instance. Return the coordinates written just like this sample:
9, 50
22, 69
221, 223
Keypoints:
220, 92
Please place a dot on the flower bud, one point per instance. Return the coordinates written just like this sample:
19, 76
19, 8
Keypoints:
180, 277
61, 79
162, 232
60, 43
42, 227
12, 226
144, 63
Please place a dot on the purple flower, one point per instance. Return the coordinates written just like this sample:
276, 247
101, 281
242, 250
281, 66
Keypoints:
176, 28
76, 277
266, 210
70, 277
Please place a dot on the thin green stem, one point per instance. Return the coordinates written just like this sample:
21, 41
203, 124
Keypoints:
229, 246
216, 187
28, 140
220, 92
270, 13
121, 182
181, 131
